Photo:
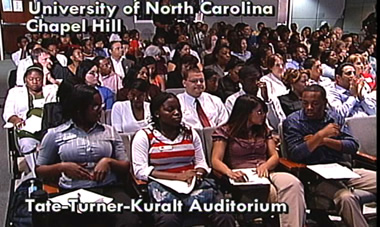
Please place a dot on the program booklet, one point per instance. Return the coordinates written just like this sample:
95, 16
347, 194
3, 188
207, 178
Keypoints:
252, 177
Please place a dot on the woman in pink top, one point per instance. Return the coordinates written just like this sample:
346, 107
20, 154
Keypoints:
245, 142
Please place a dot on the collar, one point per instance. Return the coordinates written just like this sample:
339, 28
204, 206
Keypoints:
341, 90
70, 124
117, 61
190, 99
275, 78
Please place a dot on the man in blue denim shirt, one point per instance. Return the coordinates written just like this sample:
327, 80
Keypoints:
314, 136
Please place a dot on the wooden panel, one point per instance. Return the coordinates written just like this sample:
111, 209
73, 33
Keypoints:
13, 25
10, 34
17, 17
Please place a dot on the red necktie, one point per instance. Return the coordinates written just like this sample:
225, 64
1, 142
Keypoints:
201, 114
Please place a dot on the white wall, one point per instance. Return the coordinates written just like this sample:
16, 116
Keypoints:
347, 14
313, 12
356, 12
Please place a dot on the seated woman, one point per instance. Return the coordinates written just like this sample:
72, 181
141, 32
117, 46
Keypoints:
181, 49
212, 80
84, 153
75, 57
133, 114
137, 72
175, 78
169, 150
273, 80
296, 81
23, 102
239, 49
88, 72
154, 78
221, 56
245, 142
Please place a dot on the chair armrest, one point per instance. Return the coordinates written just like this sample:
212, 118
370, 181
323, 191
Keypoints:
50, 188
140, 187
365, 157
290, 165
138, 182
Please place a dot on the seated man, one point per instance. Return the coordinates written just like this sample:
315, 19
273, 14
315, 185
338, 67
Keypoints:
315, 135
347, 96
200, 109
20, 54
249, 79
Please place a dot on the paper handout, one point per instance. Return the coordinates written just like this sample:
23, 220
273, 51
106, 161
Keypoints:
252, 176
333, 171
178, 186
32, 124
83, 195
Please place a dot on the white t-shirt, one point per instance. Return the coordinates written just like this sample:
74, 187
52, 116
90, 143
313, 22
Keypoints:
123, 120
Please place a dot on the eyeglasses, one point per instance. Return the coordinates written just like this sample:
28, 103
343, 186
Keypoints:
98, 107
194, 81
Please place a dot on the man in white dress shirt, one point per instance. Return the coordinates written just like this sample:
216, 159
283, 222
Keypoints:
209, 105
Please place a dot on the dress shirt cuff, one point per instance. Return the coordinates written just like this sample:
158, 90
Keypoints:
146, 172
205, 167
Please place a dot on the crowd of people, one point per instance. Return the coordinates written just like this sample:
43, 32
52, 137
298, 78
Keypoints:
242, 82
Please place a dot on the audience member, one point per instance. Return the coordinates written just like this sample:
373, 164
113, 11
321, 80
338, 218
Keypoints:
347, 96
315, 135
133, 114
245, 142
86, 154
156, 153
199, 108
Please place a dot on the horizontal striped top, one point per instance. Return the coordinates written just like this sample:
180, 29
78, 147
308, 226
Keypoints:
175, 157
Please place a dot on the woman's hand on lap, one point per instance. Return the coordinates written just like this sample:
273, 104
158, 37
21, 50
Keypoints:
76, 170
101, 169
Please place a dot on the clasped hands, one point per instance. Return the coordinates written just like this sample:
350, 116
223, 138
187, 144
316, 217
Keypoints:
78, 171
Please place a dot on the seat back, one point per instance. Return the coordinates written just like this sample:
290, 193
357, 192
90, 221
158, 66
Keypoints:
283, 147
364, 130
12, 78
127, 140
175, 91
207, 133
105, 117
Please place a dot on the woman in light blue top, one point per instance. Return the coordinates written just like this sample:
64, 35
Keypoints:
86, 154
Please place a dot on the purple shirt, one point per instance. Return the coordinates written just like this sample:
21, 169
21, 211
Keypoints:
241, 153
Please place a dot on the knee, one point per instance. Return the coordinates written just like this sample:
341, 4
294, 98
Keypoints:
345, 197
292, 183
